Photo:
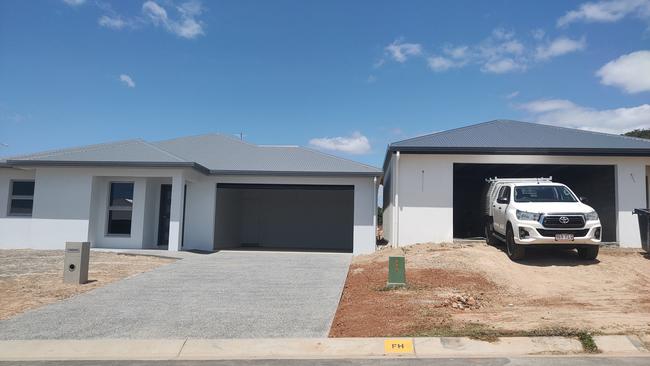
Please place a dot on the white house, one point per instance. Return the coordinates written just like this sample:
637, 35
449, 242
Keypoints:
433, 184
203, 192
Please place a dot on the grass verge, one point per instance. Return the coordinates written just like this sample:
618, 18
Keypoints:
491, 334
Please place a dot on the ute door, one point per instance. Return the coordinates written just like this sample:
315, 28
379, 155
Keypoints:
499, 207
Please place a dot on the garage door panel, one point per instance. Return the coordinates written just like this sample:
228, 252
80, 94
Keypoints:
286, 216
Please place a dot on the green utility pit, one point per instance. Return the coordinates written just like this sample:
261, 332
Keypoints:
396, 272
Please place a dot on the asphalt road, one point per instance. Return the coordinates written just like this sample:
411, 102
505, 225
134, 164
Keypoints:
526, 361
228, 294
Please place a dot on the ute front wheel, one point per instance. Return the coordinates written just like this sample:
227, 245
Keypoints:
515, 251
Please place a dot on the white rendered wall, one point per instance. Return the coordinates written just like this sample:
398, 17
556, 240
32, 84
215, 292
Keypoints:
60, 212
70, 204
426, 192
388, 204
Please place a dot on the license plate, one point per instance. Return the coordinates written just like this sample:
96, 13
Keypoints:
563, 237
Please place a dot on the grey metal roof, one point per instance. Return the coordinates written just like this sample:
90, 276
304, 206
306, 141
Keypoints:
128, 150
225, 154
212, 153
506, 136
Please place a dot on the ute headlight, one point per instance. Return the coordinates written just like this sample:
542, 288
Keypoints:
591, 216
527, 216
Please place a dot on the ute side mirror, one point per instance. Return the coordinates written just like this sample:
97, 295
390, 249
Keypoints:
583, 199
502, 200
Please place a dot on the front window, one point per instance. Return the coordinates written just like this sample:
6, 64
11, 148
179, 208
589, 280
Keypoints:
120, 208
21, 201
544, 194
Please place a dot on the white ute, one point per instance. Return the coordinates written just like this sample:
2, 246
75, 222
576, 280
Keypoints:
530, 211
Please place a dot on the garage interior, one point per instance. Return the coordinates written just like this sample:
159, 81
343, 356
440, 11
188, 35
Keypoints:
281, 216
597, 183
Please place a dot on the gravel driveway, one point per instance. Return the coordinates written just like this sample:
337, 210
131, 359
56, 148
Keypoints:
229, 294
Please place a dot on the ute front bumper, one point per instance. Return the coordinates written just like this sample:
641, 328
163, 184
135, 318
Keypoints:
532, 233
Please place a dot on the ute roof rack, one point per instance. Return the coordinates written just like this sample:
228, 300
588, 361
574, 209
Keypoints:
514, 180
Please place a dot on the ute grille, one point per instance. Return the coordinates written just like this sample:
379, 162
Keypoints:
564, 221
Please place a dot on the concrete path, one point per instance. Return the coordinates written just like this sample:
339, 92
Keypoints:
227, 294
309, 348
501, 361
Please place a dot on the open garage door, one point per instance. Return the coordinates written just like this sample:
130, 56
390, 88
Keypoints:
595, 182
281, 216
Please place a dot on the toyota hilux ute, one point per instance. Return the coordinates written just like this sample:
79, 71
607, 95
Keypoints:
531, 211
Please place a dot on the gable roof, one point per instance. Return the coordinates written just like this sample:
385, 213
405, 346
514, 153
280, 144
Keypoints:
210, 154
521, 138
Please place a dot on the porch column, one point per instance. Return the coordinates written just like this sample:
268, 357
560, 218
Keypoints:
176, 214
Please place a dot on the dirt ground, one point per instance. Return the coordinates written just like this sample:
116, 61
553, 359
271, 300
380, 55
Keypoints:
462, 289
33, 278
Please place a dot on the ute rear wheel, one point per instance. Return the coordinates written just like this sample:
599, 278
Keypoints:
490, 239
515, 251
588, 252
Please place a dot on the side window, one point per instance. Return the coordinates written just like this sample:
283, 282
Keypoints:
21, 199
504, 193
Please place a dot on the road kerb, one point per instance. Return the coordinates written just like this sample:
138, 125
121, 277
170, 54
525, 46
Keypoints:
308, 348
619, 344
463, 346
99, 349
277, 348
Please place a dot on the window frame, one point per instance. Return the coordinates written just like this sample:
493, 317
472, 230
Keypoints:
12, 197
110, 208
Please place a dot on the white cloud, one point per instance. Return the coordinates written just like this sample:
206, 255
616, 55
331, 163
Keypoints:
354, 144
400, 51
184, 22
187, 26
439, 63
513, 95
127, 80
74, 2
561, 112
459, 52
607, 11
113, 22
371, 79
559, 46
502, 66
629, 72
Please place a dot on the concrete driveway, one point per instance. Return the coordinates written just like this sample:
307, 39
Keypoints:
229, 294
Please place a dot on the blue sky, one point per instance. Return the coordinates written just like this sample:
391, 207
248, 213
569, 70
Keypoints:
347, 77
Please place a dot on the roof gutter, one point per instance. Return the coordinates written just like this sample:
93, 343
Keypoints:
120, 164
518, 151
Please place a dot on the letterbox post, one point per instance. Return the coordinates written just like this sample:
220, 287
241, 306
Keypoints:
75, 263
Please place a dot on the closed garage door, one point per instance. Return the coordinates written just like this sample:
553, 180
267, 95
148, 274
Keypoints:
281, 216
595, 182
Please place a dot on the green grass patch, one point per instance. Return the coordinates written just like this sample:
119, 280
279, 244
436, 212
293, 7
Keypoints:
488, 333
588, 343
